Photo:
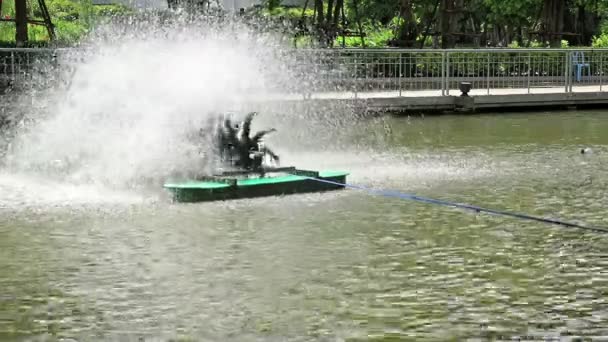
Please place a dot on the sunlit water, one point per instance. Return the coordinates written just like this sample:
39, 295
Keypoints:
91, 263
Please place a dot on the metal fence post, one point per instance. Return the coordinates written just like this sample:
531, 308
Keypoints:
443, 72
400, 71
566, 70
356, 76
447, 73
488, 75
13, 66
570, 72
529, 70
601, 68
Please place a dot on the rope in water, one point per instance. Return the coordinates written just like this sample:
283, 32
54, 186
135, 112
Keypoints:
396, 194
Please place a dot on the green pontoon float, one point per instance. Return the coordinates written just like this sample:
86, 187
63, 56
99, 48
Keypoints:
248, 177
241, 184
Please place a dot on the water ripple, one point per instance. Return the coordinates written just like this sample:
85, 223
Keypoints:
323, 267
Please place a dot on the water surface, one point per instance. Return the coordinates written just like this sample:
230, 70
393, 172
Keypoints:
97, 264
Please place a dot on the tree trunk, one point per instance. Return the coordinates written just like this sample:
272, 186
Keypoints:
447, 39
509, 34
553, 21
484, 40
475, 29
331, 27
429, 22
456, 21
21, 22
451, 13
319, 12
339, 5
499, 36
409, 29
587, 24
320, 29
327, 22
520, 36
330, 7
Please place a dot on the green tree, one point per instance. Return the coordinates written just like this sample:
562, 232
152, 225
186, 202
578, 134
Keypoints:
465, 22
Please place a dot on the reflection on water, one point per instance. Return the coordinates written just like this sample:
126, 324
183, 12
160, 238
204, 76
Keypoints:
341, 265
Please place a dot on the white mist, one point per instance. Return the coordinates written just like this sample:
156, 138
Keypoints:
137, 97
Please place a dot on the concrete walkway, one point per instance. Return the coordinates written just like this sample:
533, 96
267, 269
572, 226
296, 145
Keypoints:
452, 92
432, 100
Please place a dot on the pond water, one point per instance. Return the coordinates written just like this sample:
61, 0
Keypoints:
89, 263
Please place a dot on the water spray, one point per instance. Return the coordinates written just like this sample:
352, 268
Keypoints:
131, 105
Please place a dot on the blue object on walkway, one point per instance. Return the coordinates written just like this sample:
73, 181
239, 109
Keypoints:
395, 194
578, 61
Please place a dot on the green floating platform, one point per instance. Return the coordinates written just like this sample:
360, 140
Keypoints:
220, 188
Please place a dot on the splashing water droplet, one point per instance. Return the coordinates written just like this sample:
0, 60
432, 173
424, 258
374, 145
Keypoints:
138, 99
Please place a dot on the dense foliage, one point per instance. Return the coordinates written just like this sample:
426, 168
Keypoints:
377, 23
451, 23
72, 20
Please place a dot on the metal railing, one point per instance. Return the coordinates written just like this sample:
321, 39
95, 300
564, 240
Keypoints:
490, 71
29, 68
398, 72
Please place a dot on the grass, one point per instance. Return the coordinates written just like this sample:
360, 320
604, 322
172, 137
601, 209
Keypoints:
72, 21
